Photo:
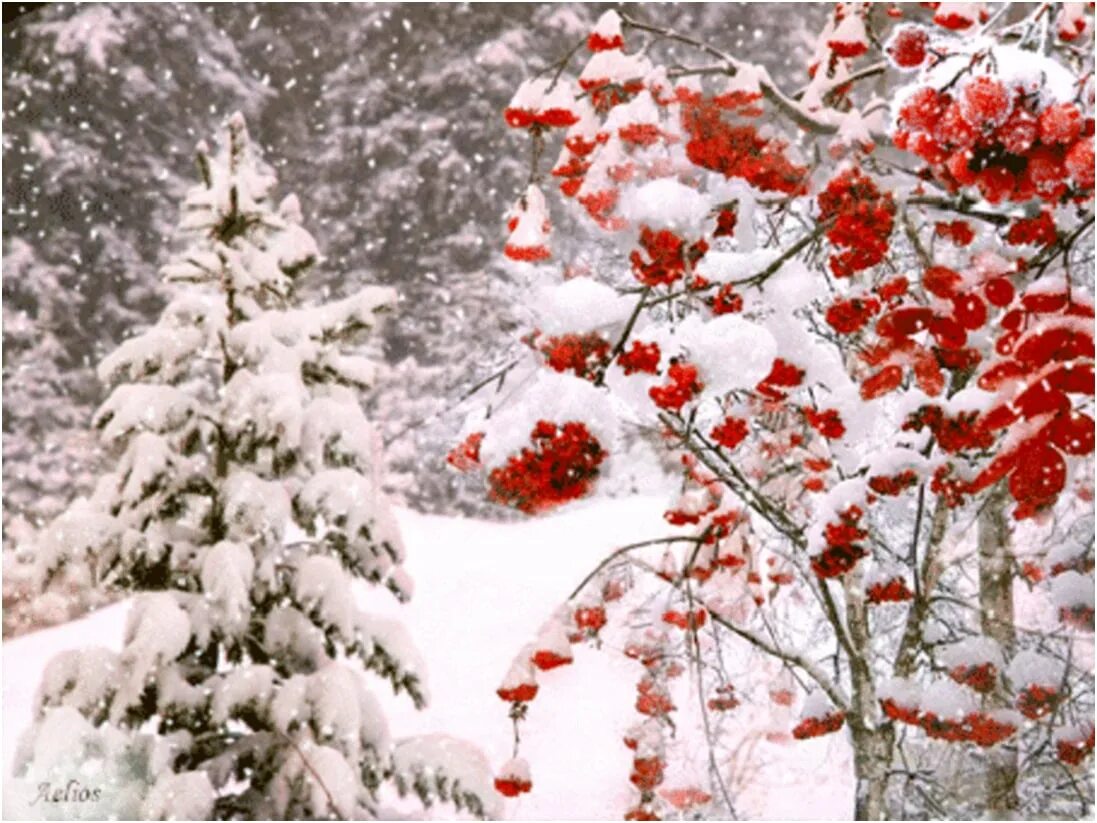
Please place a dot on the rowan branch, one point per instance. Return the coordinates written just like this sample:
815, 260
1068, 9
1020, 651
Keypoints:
798, 659
659, 541
769, 90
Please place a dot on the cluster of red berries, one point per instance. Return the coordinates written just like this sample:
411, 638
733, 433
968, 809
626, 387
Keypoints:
731, 432
959, 232
572, 169
739, 151
851, 315
994, 137
980, 677
782, 377
898, 327
815, 482
843, 545
512, 786
818, 726
976, 727
957, 433
519, 693
725, 699
1034, 701
908, 46
1073, 752
465, 456
726, 300
653, 699
524, 118
548, 659
863, 218
895, 484
893, 590
640, 357
1036, 231
606, 93
649, 650
514, 779
647, 773
687, 621
667, 257
726, 220
1078, 616
827, 422
560, 467
582, 354
682, 386
590, 619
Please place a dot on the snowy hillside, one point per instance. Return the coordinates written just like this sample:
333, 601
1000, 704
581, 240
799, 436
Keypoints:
481, 591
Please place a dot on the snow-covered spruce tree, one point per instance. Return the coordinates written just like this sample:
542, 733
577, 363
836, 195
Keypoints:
244, 506
860, 315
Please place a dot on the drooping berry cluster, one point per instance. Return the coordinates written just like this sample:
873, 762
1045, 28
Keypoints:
863, 218
982, 729
582, 354
640, 357
892, 590
850, 316
892, 485
997, 138
1073, 745
818, 726
666, 257
465, 456
978, 676
731, 432
561, 466
843, 545
683, 384
739, 150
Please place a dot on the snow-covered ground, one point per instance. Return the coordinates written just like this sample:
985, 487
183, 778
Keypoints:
481, 592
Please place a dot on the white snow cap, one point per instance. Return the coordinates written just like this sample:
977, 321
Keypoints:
1072, 589
553, 637
667, 204
901, 691
580, 305
817, 706
948, 700
608, 27
850, 31
614, 66
516, 769
323, 586
729, 351
557, 398
531, 229
972, 651
1030, 668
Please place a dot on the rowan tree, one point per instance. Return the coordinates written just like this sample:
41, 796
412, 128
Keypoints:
859, 315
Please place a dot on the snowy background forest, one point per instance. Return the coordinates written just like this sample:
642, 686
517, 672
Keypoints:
548, 411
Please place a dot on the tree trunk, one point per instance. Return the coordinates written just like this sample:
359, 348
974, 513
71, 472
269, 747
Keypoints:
872, 750
996, 617
872, 744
